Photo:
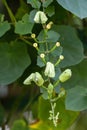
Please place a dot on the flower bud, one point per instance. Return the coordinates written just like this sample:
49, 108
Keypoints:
48, 26
42, 55
33, 35
38, 79
35, 45
40, 17
62, 93
61, 57
50, 88
57, 44
29, 79
65, 75
50, 70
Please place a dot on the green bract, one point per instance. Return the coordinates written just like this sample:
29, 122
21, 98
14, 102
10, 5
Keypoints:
50, 70
40, 17
65, 75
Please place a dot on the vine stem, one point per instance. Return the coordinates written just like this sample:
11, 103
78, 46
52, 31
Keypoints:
12, 17
26, 41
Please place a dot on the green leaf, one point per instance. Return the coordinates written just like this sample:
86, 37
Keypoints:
24, 27
34, 3
19, 125
66, 118
2, 114
14, 59
50, 10
47, 3
77, 7
72, 46
4, 27
76, 99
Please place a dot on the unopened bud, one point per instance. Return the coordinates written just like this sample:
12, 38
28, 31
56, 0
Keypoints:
48, 26
57, 44
40, 17
42, 55
35, 45
50, 22
50, 88
61, 57
65, 75
62, 93
33, 35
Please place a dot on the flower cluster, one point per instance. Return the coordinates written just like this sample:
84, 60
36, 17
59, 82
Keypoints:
45, 81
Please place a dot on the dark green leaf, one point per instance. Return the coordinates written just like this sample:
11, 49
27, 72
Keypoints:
4, 27
76, 99
77, 7
14, 59
50, 10
72, 46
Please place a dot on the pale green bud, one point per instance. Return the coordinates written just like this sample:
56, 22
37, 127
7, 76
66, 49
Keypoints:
40, 17
65, 75
50, 88
62, 93
35, 77
38, 79
50, 70
29, 79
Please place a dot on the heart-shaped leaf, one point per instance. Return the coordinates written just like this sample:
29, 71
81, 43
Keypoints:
14, 59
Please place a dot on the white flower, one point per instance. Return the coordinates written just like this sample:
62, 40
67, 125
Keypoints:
38, 79
65, 75
40, 17
35, 77
50, 70
29, 79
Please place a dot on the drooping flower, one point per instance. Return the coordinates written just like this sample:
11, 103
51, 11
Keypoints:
50, 70
35, 77
40, 17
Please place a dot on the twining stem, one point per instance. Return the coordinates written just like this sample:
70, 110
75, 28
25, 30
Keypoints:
56, 83
12, 17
